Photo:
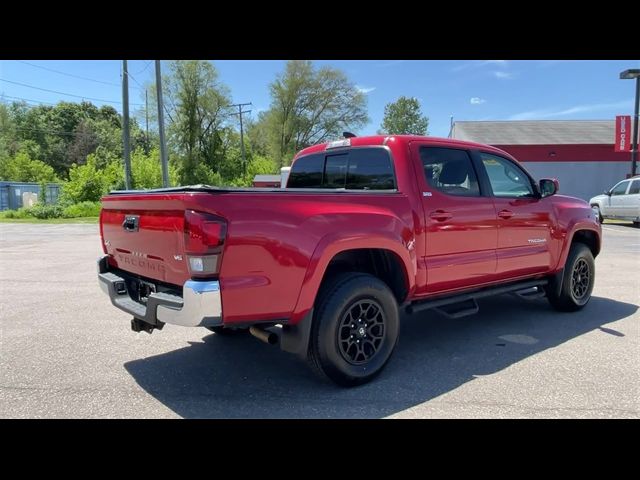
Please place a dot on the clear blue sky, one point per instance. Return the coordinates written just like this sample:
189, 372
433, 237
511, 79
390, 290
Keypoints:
468, 90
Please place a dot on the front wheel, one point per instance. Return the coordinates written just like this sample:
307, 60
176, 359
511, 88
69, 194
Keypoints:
596, 210
355, 329
577, 280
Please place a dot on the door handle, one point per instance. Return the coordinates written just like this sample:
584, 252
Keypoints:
505, 214
441, 215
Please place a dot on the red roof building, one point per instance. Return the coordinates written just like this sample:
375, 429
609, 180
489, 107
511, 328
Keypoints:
579, 153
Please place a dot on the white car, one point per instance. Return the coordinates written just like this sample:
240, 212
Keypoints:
622, 202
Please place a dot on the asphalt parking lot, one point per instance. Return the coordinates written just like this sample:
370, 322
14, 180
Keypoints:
66, 352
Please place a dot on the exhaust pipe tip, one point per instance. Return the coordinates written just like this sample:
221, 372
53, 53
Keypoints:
266, 336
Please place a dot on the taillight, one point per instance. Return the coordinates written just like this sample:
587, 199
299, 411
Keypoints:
204, 235
104, 246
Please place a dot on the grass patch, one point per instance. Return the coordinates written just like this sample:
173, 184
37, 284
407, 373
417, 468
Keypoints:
50, 220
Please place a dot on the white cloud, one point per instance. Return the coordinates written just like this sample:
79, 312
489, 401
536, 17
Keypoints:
502, 63
477, 101
503, 75
588, 108
481, 63
365, 90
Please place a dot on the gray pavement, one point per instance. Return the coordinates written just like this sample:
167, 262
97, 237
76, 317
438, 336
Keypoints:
67, 353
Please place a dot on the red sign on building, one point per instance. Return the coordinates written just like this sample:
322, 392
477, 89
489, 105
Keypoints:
623, 133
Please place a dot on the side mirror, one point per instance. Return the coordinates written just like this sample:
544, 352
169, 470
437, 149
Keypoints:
607, 192
548, 187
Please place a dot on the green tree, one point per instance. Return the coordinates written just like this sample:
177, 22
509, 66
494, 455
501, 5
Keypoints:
196, 109
146, 171
85, 141
257, 135
403, 117
309, 106
87, 183
7, 132
22, 168
64, 134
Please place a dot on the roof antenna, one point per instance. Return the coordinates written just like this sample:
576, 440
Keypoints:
348, 134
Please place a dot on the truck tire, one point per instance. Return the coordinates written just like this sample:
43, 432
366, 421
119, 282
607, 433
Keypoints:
355, 329
596, 210
577, 281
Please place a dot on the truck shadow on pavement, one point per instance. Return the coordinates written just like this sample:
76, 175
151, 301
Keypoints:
240, 377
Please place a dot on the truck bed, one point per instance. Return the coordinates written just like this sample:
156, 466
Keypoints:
271, 237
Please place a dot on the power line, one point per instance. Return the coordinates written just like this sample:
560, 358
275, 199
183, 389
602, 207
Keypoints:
54, 132
68, 74
145, 67
63, 93
133, 78
27, 100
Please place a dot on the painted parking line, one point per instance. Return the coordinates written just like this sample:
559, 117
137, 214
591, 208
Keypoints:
620, 229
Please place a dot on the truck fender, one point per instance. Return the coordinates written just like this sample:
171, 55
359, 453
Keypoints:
336, 242
295, 335
574, 227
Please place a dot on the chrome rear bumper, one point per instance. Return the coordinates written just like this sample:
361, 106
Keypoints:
200, 304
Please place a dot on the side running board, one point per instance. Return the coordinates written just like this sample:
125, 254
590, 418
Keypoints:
463, 304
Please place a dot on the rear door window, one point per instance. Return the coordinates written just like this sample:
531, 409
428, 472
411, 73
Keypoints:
450, 171
635, 187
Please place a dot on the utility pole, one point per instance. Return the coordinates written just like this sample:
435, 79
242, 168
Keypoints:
125, 125
631, 74
146, 111
240, 112
163, 146
636, 116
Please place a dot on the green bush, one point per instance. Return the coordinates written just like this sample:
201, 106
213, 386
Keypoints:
45, 211
87, 183
83, 209
20, 213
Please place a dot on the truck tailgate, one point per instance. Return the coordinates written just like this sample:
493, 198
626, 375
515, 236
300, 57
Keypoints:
144, 235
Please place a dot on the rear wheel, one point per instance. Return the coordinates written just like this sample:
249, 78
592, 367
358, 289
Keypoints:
577, 281
355, 329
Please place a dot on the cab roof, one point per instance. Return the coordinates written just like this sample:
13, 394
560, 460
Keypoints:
374, 140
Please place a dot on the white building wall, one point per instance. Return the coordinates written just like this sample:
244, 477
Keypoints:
581, 179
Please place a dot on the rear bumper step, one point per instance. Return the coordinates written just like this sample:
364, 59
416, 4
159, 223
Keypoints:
199, 306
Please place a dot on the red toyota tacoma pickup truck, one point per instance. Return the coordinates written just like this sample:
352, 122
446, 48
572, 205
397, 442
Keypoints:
366, 227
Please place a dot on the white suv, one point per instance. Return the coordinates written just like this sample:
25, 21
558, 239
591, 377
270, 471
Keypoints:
622, 202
